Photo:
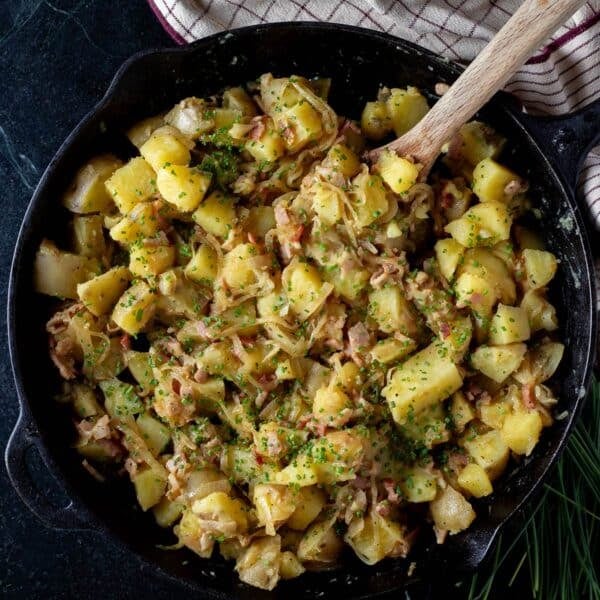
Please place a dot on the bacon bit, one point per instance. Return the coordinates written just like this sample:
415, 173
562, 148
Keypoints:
359, 338
383, 508
200, 376
528, 394
252, 238
259, 459
476, 298
447, 200
158, 209
514, 187
297, 235
473, 393
457, 461
176, 386
348, 126
281, 216
362, 483
125, 341
60, 321
61, 355
445, 329
258, 129
203, 330
287, 133
390, 488
304, 421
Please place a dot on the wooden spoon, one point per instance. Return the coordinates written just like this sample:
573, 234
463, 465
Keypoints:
532, 23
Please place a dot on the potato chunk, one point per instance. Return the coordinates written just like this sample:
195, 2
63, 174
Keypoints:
216, 214
451, 512
163, 149
375, 120
150, 486
142, 222
182, 186
302, 125
539, 266
203, 266
428, 377
327, 204
135, 308
484, 224
498, 362
57, 273
88, 236
274, 505
87, 193
269, 146
369, 198
521, 431
238, 269
309, 503
509, 325
406, 108
149, 260
483, 263
474, 480
448, 253
343, 160
540, 313
304, 288
399, 173
490, 180
392, 311
133, 183
488, 450
100, 294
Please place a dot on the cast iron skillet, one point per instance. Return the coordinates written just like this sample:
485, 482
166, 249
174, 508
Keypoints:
547, 152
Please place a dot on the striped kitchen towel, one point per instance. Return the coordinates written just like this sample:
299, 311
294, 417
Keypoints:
563, 76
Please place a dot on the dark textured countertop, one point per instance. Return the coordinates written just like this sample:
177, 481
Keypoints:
56, 60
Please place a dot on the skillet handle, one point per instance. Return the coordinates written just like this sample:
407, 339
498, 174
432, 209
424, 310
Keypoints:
22, 438
567, 139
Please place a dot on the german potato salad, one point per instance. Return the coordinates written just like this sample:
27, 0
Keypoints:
288, 351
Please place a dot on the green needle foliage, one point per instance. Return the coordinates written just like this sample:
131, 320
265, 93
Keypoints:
559, 540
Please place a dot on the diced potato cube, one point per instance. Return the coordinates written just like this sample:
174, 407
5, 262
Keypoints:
133, 183
476, 293
347, 377
370, 198
540, 313
392, 311
140, 366
153, 432
479, 142
351, 284
84, 401
140, 133
508, 325
203, 266
135, 308
320, 544
498, 362
166, 512
448, 253
290, 566
303, 125
147, 260
238, 269
87, 193
216, 214
274, 505
482, 262
57, 273
179, 296
332, 407
399, 173
375, 120
309, 503
418, 485
304, 288
100, 294
259, 221
490, 180
268, 147
183, 186
424, 379
220, 507
379, 537
336, 456
521, 431
451, 512
238, 99
474, 480
142, 222
488, 450
163, 150
484, 224
406, 108
88, 236
327, 204
150, 486
494, 413
391, 349
461, 411
343, 160
224, 118
540, 267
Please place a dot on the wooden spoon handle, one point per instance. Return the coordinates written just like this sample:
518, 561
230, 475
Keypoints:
532, 23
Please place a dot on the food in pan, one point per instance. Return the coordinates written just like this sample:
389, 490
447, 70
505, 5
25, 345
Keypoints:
288, 351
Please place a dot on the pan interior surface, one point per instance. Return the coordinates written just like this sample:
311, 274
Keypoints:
358, 62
